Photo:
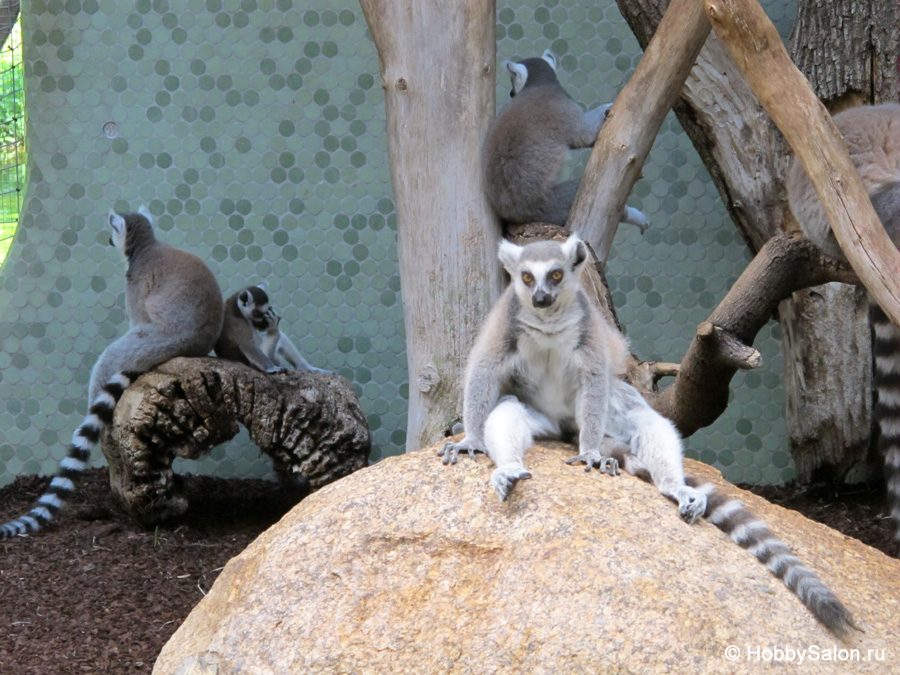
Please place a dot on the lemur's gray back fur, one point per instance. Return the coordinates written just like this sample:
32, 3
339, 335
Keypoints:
528, 144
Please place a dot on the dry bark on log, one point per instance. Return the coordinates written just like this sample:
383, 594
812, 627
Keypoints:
747, 160
826, 339
310, 424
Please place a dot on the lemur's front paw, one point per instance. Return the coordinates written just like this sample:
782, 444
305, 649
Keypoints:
450, 451
691, 504
273, 319
504, 479
594, 459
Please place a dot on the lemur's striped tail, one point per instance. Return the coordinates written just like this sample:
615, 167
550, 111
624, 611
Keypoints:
733, 518
886, 382
71, 468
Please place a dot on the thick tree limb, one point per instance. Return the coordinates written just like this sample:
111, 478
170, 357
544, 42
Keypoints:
310, 424
634, 121
787, 97
731, 132
786, 263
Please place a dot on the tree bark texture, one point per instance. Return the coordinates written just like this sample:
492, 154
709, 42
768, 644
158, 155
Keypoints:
310, 424
633, 123
733, 135
723, 343
845, 50
849, 50
438, 73
827, 377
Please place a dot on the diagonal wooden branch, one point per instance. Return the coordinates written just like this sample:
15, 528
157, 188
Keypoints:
634, 121
737, 141
786, 263
786, 95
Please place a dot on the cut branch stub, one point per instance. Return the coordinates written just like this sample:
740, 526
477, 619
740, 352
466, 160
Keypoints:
731, 351
310, 424
788, 98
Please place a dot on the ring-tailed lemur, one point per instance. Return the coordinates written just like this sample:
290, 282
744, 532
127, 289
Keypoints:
174, 308
248, 315
547, 365
872, 135
529, 141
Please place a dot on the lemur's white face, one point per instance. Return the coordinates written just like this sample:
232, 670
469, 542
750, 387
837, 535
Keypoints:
254, 309
544, 272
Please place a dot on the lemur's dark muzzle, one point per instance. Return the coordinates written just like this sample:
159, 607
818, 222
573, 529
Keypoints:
542, 299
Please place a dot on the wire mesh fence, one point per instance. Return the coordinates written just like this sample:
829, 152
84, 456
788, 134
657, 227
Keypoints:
12, 128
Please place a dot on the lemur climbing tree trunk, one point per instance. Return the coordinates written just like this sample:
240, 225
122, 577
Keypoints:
438, 73
747, 159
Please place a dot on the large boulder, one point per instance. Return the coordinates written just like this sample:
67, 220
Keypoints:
413, 567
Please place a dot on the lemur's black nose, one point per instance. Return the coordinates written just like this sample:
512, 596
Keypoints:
541, 299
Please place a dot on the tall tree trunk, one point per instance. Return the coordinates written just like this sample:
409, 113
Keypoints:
845, 49
438, 73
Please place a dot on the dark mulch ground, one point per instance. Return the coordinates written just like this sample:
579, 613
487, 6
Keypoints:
97, 594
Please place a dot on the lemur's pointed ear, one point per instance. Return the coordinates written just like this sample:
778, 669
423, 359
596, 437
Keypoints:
509, 255
575, 250
550, 58
144, 211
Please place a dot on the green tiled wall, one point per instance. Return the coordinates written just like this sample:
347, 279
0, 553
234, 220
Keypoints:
254, 131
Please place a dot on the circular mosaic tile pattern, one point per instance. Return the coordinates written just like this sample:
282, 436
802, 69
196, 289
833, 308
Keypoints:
254, 132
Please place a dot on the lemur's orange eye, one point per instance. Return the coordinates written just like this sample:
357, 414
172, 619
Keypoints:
556, 275
527, 278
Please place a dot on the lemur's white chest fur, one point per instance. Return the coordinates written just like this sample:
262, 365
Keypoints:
547, 355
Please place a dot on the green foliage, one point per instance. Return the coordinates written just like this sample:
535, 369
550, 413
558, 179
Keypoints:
12, 138
12, 103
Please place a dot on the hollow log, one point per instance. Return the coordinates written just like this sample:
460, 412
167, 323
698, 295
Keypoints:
310, 424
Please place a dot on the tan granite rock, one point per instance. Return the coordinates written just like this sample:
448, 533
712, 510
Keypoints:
413, 567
